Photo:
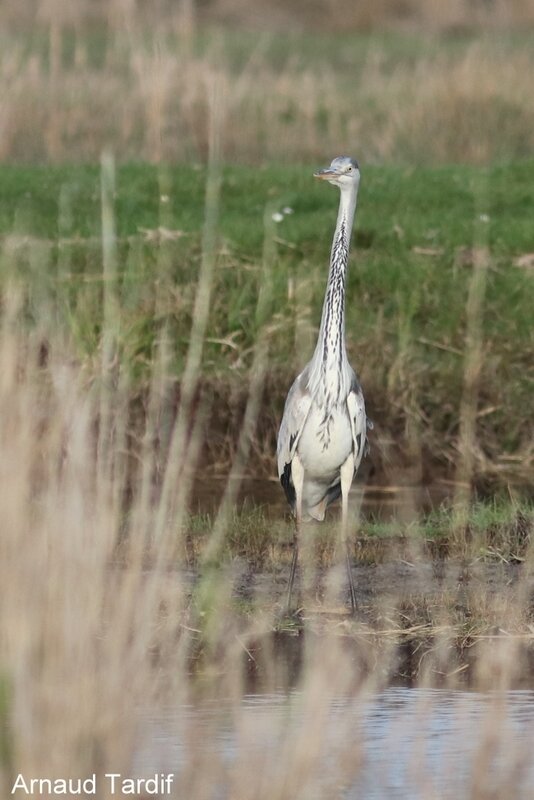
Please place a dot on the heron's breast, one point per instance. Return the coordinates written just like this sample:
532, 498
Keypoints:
325, 442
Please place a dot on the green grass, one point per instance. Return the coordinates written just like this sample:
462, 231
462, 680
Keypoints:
428, 204
407, 286
495, 530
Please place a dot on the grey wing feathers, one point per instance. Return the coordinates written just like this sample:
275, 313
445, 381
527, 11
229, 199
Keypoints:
358, 421
296, 412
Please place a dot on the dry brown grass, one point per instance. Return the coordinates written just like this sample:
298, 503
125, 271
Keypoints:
332, 15
142, 89
340, 15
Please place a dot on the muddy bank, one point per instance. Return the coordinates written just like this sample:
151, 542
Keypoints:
391, 583
441, 621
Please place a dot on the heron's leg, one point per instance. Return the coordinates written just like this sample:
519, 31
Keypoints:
346, 475
297, 475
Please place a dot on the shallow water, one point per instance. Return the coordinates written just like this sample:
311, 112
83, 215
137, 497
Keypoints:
398, 743
381, 502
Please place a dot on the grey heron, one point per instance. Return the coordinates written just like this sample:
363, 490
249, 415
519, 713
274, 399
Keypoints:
323, 433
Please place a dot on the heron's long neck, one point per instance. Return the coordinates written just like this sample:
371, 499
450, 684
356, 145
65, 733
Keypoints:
330, 351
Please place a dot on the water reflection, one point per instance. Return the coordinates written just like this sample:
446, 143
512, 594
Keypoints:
407, 742
380, 502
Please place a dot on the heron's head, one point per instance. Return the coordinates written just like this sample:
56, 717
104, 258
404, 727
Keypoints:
342, 172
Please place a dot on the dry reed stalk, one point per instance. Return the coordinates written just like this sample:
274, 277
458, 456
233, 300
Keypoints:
74, 629
57, 537
467, 442
258, 373
177, 453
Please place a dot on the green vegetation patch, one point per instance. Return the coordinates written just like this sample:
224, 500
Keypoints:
496, 530
417, 236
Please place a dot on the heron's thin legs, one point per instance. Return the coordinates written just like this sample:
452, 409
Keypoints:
347, 474
293, 569
297, 475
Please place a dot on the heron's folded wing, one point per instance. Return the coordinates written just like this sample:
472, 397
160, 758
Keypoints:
296, 410
356, 409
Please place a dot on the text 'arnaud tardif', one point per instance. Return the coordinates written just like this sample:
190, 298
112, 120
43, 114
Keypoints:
115, 783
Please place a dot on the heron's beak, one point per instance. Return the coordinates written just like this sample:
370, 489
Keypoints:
325, 174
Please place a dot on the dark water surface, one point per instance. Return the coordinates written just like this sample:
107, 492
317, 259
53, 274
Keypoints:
382, 502
401, 742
